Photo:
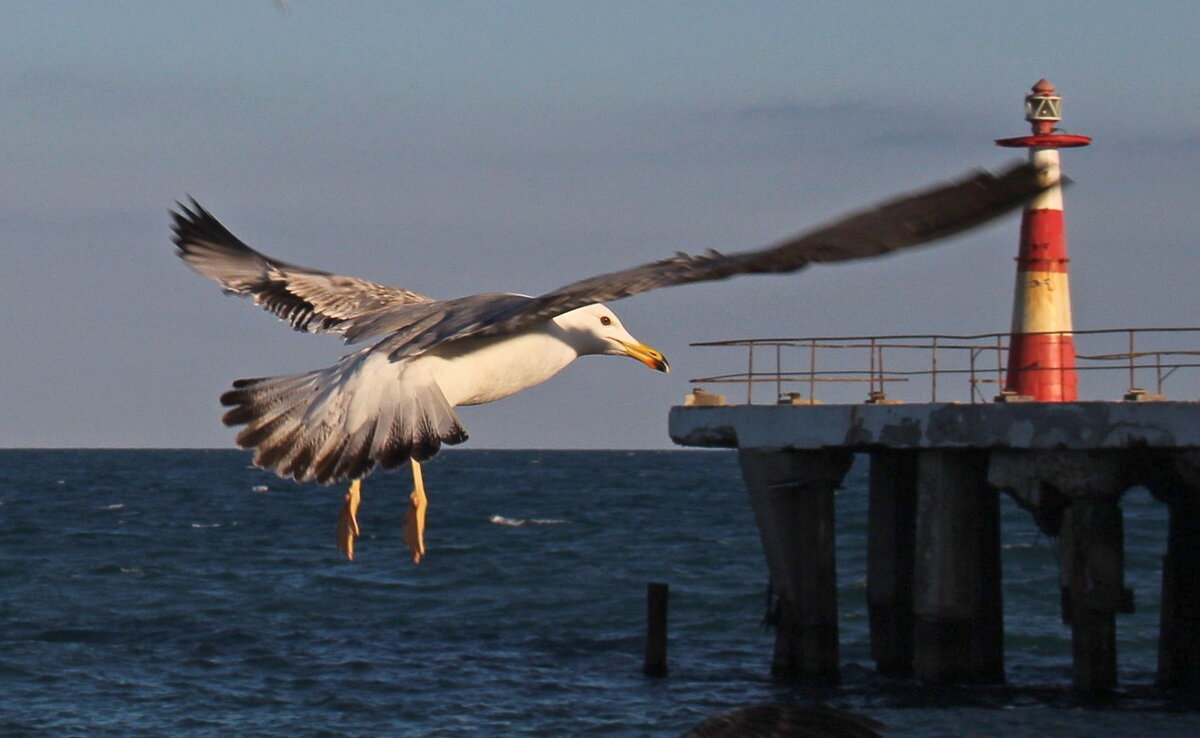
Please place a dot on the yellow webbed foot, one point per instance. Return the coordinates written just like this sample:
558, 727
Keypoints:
348, 529
413, 531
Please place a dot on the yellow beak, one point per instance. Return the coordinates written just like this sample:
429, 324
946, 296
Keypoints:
651, 357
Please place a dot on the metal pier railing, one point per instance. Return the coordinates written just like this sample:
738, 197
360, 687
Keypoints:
1112, 363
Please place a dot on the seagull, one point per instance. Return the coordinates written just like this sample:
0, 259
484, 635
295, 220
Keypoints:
392, 401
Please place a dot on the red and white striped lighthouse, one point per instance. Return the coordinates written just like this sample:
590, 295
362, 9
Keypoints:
1041, 353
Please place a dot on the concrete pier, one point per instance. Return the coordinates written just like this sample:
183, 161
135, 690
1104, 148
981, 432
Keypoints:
891, 541
933, 571
791, 493
1174, 479
958, 627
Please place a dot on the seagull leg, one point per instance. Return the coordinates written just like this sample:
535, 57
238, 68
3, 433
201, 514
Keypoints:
413, 531
347, 529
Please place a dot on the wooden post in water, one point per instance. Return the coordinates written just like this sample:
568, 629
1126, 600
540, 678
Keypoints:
657, 595
891, 532
959, 630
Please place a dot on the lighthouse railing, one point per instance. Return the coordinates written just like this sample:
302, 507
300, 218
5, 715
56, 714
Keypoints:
1114, 364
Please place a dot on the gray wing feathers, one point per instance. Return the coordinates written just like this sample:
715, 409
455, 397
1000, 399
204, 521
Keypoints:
413, 329
309, 299
901, 223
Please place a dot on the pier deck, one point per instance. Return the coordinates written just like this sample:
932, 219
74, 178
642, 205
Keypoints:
937, 469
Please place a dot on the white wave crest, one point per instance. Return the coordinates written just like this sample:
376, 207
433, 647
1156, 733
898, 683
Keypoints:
517, 522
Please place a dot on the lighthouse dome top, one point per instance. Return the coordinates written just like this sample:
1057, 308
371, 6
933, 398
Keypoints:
1043, 103
1043, 109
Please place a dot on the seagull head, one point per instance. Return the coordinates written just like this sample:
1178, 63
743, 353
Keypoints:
597, 330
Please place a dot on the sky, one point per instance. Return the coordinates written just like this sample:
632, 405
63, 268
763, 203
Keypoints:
459, 147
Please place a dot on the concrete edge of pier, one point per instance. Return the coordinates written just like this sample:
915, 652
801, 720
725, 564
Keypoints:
1027, 425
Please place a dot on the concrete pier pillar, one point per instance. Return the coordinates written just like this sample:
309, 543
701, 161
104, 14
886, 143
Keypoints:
1093, 564
958, 631
1179, 628
891, 537
1078, 492
792, 494
1174, 478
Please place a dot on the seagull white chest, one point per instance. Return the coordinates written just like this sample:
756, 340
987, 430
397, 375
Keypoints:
475, 371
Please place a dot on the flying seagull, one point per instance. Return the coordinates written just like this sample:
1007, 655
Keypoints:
392, 402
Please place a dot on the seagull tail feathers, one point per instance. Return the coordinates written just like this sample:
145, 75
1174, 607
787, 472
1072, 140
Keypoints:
339, 423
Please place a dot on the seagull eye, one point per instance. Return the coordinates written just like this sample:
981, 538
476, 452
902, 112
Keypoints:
605, 320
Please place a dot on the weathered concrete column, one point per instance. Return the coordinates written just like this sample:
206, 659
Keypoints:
1174, 478
792, 493
1093, 562
891, 537
959, 630
1092, 558
1179, 627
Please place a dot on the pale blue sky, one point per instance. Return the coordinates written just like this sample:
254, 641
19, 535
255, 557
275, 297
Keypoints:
456, 147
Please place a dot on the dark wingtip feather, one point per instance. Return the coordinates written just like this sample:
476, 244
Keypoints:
192, 224
238, 395
239, 415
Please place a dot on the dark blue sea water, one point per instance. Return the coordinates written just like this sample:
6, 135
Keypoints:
183, 593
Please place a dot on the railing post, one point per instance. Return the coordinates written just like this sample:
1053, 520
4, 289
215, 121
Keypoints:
871, 382
812, 370
973, 352
933, 372
1132, 379
999, 360
882, 380
778, 371
750, 377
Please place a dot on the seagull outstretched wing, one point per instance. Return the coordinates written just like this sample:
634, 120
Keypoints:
321, 302
904, 222
309, 299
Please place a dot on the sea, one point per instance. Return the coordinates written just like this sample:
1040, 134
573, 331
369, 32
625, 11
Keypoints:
185, 593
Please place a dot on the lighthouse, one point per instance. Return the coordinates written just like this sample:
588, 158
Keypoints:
1041, 354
